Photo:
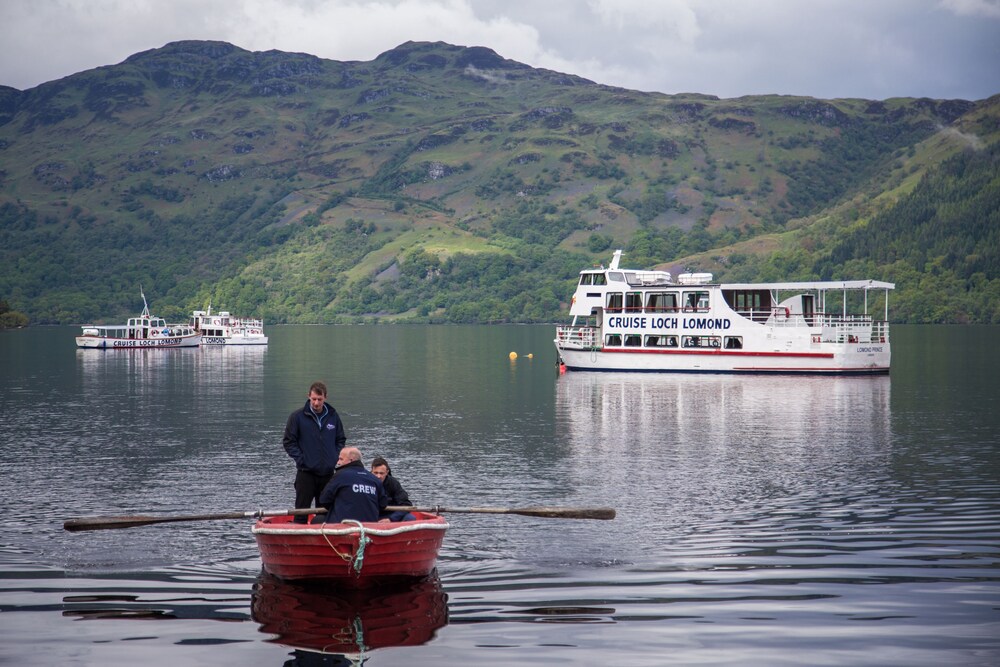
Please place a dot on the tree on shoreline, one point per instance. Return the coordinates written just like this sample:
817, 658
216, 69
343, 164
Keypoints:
10, 319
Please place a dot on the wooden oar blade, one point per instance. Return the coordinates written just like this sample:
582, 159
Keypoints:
133, 520
601, 513
106, 522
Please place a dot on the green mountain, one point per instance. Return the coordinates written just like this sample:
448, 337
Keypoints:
447, 184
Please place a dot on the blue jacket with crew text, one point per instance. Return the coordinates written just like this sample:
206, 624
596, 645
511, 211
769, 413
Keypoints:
353, 493
314, 443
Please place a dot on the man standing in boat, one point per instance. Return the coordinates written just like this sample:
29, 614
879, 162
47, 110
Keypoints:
314, 437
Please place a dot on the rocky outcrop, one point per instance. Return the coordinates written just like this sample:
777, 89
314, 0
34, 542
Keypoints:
815, 111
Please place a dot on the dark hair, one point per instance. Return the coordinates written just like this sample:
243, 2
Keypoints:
317, 388
379, 461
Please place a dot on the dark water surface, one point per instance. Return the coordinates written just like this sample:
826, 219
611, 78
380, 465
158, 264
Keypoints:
761, 520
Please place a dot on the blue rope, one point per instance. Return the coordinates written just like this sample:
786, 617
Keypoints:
359, 635
363, 541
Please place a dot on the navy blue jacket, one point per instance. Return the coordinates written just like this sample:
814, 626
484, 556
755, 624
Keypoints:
353, 493
314, 443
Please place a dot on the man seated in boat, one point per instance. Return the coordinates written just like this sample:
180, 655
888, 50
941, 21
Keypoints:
393, 489
353, 492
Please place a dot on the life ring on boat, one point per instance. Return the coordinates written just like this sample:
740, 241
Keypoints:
154, 332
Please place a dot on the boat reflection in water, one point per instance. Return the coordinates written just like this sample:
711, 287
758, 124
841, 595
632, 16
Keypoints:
329, 619
714, 459
602, 409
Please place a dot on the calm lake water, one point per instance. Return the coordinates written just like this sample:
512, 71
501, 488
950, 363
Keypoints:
761, 520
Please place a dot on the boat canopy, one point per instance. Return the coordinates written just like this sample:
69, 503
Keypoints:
814, 285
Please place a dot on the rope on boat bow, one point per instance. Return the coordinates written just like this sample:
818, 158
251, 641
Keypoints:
363, 541
359, 555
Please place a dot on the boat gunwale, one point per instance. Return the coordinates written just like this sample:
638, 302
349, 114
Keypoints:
321, 529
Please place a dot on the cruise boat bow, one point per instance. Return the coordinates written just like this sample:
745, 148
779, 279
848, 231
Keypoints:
637, 320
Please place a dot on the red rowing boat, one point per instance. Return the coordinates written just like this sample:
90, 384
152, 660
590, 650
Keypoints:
353, 553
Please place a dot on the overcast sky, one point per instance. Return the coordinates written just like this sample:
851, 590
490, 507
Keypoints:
872, 49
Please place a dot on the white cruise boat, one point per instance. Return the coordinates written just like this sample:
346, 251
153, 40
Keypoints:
224, 329
636, 320
144, 331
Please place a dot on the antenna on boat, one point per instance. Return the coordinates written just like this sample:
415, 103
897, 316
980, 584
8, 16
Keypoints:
145, 306
615, 259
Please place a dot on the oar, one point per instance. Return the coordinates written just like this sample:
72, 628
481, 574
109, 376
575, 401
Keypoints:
603, 513
133, 520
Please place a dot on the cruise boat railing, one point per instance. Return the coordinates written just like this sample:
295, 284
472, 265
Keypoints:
833, 328
855, 329
584, 338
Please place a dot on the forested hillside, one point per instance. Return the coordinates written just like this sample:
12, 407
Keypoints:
447, 184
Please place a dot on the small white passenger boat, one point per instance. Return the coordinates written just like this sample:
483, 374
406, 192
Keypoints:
224, 329
637, 320
144, 331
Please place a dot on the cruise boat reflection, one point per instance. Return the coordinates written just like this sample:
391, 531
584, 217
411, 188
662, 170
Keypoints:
230, 365
211, 370
332, 620
602, 409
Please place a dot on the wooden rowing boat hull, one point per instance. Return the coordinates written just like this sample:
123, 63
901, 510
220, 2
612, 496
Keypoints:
392, 551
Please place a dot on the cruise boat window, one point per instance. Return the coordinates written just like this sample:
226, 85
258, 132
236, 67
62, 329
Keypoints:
734, 342
695, 301
613, 340
633, 340
701, 341
587, 279
614, 302
747, 301
662, 301
599, 279
661, 341
633, 301
616, 276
